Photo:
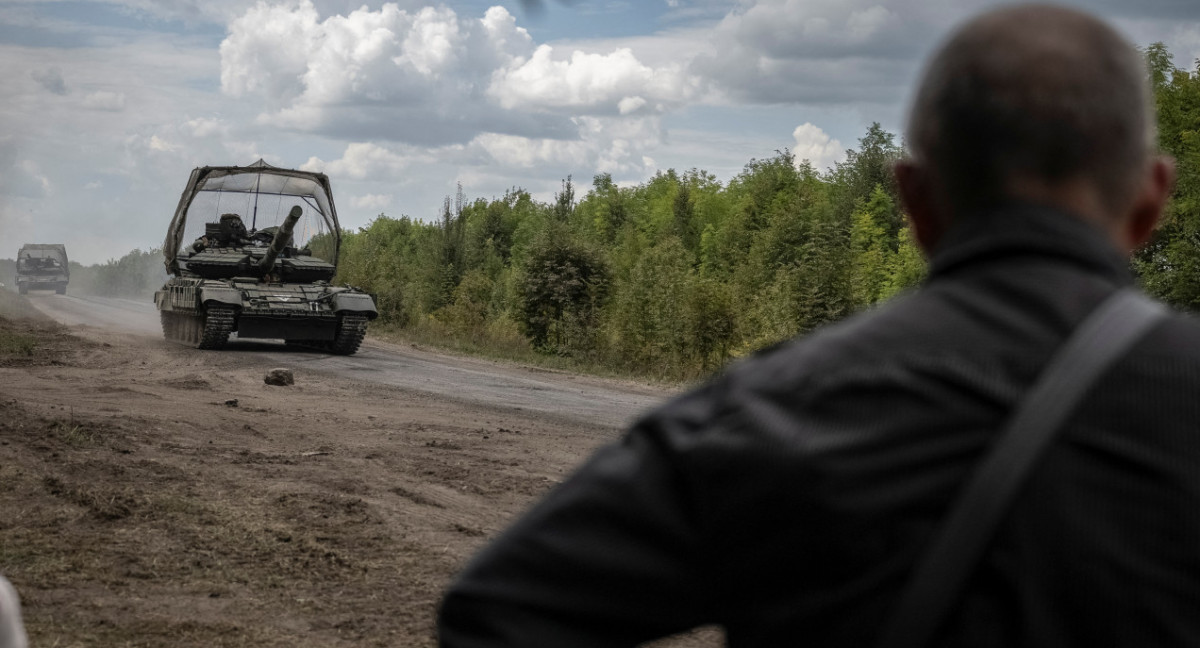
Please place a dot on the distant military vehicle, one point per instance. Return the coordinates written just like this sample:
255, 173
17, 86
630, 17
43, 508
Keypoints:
42, 266
256, 281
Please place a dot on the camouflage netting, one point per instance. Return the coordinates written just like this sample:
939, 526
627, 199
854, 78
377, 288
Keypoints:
260, 193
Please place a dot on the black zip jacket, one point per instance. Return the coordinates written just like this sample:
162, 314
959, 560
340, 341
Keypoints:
788, 499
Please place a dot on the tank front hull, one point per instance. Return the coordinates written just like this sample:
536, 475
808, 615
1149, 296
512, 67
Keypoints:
268, 327
57, 283
204, 312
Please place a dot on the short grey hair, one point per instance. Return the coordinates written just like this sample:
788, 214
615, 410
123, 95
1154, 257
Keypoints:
1033, 92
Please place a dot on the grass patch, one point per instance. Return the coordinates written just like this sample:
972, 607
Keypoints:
16, 344
75, 435
506, 344
106, 504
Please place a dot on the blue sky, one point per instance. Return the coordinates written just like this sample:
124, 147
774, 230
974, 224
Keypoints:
106, 105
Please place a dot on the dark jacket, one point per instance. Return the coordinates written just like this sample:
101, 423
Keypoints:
788, 499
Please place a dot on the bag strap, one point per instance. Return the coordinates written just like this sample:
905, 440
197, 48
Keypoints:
948, 562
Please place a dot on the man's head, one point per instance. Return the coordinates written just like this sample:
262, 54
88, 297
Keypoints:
1035, 104
232, 227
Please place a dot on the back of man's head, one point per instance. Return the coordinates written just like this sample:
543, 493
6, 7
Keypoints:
1033, 94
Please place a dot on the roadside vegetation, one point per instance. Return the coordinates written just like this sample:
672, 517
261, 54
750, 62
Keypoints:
137, 274
669, 279
1169, 265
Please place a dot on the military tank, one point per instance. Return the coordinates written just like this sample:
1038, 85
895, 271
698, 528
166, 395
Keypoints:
227, 278
42, 266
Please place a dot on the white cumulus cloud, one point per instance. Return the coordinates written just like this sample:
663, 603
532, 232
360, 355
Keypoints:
414, 76
816, 146
429, 76
588, 82
362, 161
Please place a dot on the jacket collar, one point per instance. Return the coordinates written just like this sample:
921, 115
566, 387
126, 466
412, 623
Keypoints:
1028, 230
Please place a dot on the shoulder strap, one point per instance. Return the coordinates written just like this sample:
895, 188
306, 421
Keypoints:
951, 558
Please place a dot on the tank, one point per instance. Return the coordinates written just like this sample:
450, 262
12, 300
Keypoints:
42, 266
239, 252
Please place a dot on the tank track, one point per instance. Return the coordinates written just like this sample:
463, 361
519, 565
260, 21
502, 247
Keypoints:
218, 324
209, 331
350, 334
352, 328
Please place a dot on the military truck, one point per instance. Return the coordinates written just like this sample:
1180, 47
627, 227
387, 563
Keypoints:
42, 266
238, 255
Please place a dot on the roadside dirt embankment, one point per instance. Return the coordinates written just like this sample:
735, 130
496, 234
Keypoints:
160, 496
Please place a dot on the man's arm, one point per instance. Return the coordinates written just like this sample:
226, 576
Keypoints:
611, 557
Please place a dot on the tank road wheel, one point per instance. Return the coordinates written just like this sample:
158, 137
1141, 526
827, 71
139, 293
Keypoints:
351, 330
218, 324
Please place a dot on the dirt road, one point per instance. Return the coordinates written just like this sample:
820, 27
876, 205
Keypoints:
156, 495
607, 403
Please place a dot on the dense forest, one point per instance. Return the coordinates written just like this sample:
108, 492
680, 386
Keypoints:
677, 275
673, 276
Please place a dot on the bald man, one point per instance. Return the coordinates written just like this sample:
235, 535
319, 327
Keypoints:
789, 499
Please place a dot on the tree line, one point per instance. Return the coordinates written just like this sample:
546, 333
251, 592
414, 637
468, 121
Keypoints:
674, 276
679, 274
136, 274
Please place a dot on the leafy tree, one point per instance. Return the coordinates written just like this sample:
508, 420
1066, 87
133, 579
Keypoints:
866, 169
870, 248
607, 207
684, 222
649, 319
1170, 262
563, 285
711, 319
137, 274
470, 305
907, 267
564, 202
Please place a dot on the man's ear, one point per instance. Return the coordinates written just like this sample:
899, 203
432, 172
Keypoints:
917, 193
1151, 201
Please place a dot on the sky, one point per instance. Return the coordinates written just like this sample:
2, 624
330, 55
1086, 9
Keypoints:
107, 105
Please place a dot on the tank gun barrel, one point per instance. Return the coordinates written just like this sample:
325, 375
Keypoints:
280, 241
